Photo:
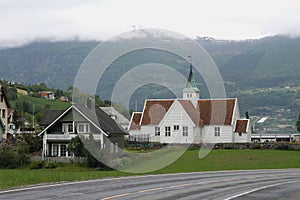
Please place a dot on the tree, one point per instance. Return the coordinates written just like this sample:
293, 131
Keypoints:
247, 115
298, 123
76, 146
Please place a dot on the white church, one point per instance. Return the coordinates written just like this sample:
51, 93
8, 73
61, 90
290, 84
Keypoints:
190, 120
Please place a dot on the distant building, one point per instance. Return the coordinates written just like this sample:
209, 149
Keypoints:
190, 119
47, 94
10, 122
21, 91
64, 99
118, 117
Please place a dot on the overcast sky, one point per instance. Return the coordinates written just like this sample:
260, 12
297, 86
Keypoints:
26, 20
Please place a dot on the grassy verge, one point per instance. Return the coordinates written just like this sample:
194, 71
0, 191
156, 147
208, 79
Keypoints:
189, 162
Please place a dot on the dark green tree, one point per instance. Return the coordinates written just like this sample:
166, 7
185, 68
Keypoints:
298, 123
76, 146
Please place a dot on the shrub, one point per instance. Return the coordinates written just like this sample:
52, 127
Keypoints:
36, 165
51, 165
282, 146
8, 157
13, 155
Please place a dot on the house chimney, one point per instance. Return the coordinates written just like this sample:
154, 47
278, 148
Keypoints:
89, 103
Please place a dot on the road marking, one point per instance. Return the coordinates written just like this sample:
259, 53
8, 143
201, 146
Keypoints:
182, 185
150, 190
257, 189
116, 196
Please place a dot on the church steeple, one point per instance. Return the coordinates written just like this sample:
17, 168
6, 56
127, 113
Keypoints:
191, 82
191, 92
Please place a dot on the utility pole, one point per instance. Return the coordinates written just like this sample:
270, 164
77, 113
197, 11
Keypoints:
33, 116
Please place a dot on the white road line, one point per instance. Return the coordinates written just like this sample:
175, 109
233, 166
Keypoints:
150, 190
116, 196
257, 189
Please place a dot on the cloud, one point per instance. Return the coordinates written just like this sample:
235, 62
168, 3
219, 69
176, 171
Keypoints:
22, 21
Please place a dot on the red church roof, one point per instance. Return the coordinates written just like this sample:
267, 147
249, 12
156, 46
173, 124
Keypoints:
241, 126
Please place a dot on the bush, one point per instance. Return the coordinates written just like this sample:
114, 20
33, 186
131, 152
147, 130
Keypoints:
51, 165
8, 157
13, 155
282, 146
36, 165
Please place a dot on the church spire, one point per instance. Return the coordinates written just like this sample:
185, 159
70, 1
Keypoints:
191, 92
191, 82
191, 70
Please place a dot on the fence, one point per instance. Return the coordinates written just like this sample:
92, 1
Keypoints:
59, 159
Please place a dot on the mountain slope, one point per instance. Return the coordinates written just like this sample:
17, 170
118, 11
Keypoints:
268, 62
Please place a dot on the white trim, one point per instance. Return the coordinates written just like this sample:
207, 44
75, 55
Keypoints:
72, 106
55, 120
132, 119
91, 121
182, 109
156, 100
143, 112
234, 108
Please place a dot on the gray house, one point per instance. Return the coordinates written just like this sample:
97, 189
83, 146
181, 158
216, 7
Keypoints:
60, 126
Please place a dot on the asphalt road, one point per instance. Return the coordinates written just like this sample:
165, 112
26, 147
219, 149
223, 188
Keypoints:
254, 184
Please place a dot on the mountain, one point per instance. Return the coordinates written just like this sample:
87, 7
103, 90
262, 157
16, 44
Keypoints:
267, 62
54, 63
245, 65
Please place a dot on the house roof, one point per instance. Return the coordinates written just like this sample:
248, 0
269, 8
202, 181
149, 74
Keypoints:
154, 111
216, 111
135, 121
49, 116
207, 112
111, 111
9, 111
241, 126
191, 111
4, 96
99, 119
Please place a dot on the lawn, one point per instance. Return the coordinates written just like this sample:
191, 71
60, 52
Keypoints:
42, 102
189, 162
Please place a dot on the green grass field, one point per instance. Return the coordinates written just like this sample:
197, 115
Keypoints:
189, 162
41, 102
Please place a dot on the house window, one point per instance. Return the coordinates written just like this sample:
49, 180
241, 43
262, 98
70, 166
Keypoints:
157, 131
176, 127
167, 131
1, 96
111, 148
68, 128
240, 134
54, 149
116, 148
3, 113
63, 150
87, 128
217, 131
185, 131
83, 127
